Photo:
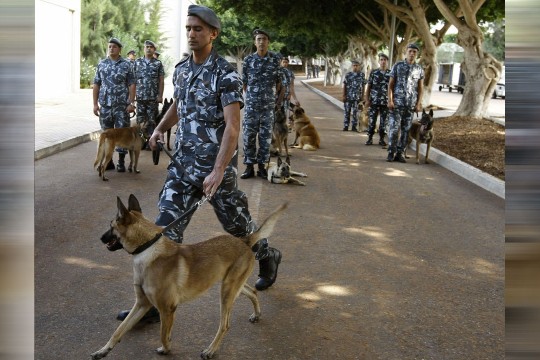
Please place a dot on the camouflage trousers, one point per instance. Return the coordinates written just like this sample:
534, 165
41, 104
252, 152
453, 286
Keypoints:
147, 110
351, 106
400, 121
114, 117
257, 126
179, 195
382, 112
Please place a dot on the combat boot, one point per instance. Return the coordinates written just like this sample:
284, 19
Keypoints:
110, 165
390, 157
399, 157
369, 140
262, 171
120, 167
248, 173
269, 260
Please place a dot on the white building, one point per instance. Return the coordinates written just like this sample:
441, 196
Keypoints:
58, 43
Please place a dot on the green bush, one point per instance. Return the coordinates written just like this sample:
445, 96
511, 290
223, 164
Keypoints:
88, 72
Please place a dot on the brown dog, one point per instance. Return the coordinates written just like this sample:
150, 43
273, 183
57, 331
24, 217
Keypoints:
166, 273
422, 132
131, 138
307, 137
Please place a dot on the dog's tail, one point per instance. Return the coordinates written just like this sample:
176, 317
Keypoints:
309, 147
266, 228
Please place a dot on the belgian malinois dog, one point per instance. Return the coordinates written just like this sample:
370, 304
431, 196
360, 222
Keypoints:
280, 173
166, 273
422, 132
131, 138
280, 132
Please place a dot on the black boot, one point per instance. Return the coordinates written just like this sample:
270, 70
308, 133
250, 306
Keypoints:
390, 157
382, 142
369, 140
120, 166
354, 128
110, 165
262, 171
152, 316
399, 157
269, 259
248, 173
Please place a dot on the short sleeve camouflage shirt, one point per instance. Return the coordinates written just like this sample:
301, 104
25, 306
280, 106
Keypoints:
261, 74
201, 94
114, 79
406, 77
147, 73
379, 79
354, 81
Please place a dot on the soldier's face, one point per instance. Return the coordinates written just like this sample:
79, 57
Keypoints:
199, 34
383, 63
411, 54
149, 50
114, 50
261, 42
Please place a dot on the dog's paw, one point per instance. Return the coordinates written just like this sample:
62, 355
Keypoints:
254, 318
162, 351
100, 354
207, 354
137, 171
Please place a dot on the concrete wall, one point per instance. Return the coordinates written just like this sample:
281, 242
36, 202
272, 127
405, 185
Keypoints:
58, 43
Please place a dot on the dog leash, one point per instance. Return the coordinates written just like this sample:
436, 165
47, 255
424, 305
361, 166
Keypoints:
158, 236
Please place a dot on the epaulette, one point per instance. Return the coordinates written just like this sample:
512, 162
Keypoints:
182, 61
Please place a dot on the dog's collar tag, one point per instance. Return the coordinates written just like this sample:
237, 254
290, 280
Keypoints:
146, 245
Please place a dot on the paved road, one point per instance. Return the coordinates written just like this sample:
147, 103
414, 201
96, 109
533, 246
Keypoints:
381, 260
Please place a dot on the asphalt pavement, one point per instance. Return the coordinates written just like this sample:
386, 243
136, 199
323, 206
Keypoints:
380, 260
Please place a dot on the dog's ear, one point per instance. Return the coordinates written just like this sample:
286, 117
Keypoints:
431, 112
423, 111
133, 204
122, 211
288, 160
279, 162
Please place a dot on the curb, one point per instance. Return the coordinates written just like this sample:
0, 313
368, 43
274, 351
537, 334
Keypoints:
466, 171
64, 145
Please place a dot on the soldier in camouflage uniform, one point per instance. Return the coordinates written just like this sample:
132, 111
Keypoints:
377, 99
404, 98
353, 89
208, 99
149, 74
261, 75
114, 93
287, 83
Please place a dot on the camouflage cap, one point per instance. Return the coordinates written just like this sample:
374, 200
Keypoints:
205, 14
260, 32
115, 41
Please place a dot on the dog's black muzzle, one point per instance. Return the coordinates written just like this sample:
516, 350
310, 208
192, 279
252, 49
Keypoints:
111, 240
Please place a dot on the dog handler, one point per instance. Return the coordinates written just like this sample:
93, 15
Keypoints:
206, 108
113, 94
353, 90
404, 97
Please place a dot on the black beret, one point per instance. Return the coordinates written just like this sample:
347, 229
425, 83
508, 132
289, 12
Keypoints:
260, 32
205, 14
151, 43
413, 46
355, 62
115, 41
132, 52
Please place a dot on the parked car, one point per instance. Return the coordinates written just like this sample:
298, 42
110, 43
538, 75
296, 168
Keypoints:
499, 89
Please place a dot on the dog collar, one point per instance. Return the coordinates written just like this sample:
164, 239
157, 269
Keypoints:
146, 245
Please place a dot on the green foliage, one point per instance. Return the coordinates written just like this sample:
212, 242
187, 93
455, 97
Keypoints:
131, 21
87, 74
494, 39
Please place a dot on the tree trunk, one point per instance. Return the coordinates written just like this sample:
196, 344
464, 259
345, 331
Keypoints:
481, 71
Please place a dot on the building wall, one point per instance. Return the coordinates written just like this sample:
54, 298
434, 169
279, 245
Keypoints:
57, 47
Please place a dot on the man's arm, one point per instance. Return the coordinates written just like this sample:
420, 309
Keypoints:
161, 87
391, 93
95, 95
228, 146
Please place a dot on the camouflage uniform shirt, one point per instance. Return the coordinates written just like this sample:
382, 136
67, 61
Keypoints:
406, 77
355, 85
379, 79
114, 79
147, 74
261, 74
201, 94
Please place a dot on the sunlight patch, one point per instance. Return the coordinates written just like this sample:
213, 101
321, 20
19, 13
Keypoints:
397, 173
86, 263
334, 290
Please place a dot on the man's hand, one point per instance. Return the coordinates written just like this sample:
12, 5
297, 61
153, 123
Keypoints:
156, 136
96, 110
212, 182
